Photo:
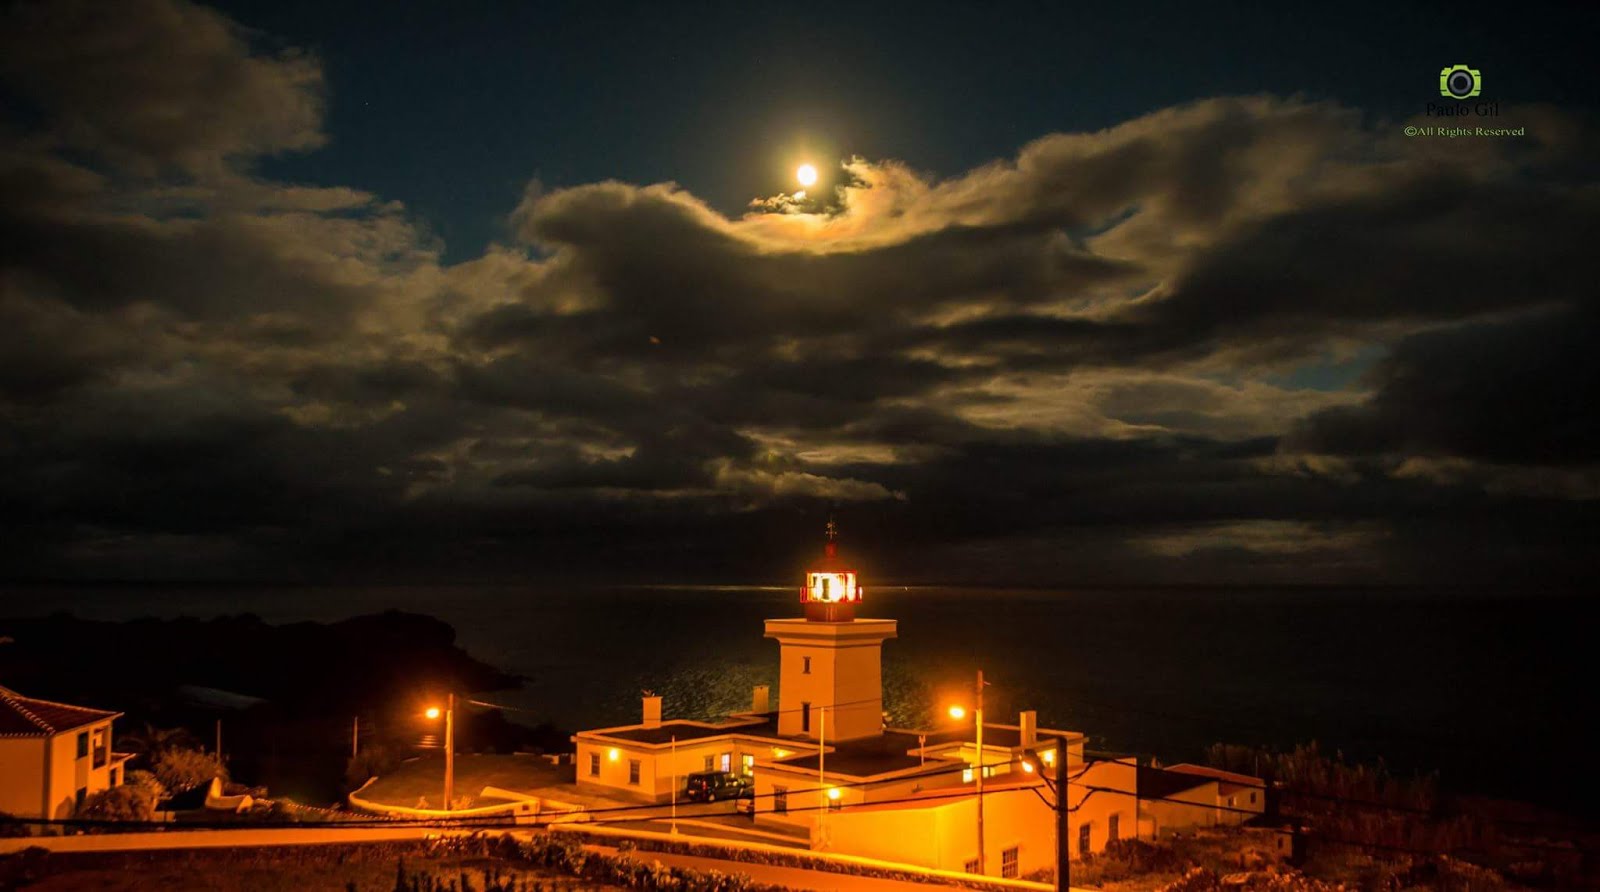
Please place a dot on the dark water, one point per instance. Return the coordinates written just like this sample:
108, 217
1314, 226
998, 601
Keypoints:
1489, 688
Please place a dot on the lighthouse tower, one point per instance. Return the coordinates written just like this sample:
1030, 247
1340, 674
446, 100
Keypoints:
830, 668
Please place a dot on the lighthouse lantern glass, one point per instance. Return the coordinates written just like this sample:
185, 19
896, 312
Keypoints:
832, 586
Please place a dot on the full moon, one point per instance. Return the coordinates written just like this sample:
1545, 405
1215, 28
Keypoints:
807, 175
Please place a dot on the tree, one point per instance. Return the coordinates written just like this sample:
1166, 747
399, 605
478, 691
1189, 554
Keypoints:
184, 769
148, 781
125, 803
150, 741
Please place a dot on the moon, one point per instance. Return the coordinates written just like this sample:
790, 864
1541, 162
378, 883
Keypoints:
807, 175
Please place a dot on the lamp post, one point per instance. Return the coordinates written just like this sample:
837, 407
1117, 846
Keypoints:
956, 712
822, 776
449, 747
674, 758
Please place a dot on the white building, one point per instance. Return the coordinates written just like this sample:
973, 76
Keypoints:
53, 756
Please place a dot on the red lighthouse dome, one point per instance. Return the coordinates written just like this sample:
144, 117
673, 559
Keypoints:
830, 593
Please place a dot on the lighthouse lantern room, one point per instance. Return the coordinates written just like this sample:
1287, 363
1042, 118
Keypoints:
830, 593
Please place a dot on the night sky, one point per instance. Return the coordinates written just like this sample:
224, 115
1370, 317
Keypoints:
506, 291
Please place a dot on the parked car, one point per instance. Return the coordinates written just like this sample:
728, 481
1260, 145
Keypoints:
709, 786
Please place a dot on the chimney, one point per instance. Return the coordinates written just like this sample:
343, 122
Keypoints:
652, 711
761, 699
1028, 727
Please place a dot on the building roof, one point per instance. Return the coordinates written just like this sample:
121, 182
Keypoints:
886, 753
1228, 779
938, 797
760, 726
29, 717
1162, 783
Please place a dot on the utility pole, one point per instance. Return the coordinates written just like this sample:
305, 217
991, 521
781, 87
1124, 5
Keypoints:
674, 785
981, 860
1063, 834
449, 751
355, 736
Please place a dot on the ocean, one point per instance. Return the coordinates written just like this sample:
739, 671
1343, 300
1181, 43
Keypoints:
1488, 687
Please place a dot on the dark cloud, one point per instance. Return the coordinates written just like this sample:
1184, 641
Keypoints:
1106, 358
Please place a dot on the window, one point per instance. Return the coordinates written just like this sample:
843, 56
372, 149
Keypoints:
747, 764
83, 793
115, 778
835, 804
83, 745
780, 800
1252, 799
805, 718
725, 762
1231, 802
1112, 829
1008, 863
710, 763
966, 775
594, 764
971, 866
99, 747
1083, 839
805, 665
633, 771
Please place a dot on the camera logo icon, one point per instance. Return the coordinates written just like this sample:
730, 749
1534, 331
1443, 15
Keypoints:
1460, 82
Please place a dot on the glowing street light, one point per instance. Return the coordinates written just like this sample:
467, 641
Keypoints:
449, 746
959, 712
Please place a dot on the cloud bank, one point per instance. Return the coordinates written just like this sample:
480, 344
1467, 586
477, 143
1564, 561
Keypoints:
1246, 339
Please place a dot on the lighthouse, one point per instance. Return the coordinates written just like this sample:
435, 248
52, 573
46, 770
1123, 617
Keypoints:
830, 665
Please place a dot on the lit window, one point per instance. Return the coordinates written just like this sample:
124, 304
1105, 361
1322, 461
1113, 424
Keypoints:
1112, 829
726, 761
966, 775
780, 800
747, 764
1083, 839
1008, 863
594, 764
633, 771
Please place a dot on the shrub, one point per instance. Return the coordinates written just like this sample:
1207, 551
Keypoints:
124, 803
184, 769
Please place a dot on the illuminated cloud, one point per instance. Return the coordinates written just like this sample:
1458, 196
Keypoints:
1198, 343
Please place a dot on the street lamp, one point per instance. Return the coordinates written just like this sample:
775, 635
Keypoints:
958, 713
449, 746
1056, 759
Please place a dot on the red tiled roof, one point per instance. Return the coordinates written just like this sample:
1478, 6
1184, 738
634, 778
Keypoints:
27, 717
